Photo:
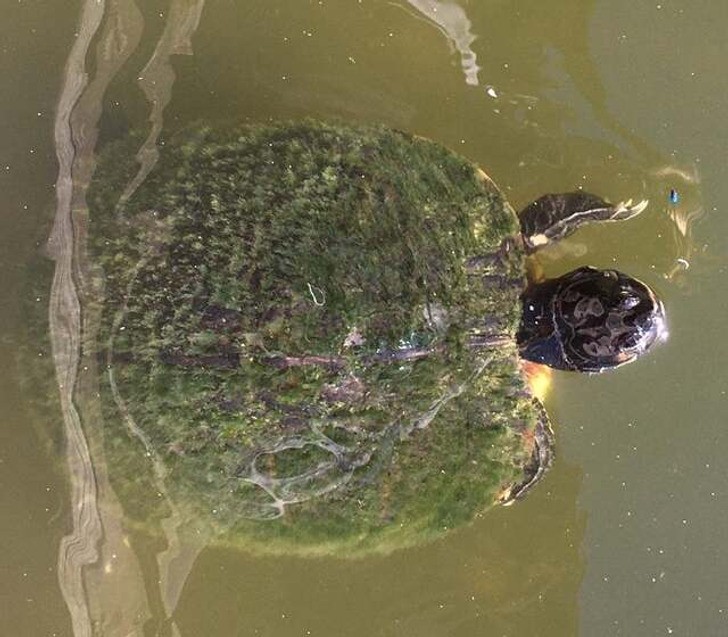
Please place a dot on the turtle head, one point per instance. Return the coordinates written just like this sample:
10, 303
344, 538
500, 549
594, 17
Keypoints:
589, 320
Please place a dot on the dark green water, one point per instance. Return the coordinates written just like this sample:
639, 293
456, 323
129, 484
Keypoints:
627, 99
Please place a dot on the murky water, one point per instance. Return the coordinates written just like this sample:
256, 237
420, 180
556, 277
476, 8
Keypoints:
625, 99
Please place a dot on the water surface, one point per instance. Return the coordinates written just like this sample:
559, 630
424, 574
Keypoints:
624, 537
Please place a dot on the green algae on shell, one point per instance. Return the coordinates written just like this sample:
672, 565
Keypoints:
286, 329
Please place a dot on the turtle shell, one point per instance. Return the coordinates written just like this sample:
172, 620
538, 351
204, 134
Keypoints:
305, 340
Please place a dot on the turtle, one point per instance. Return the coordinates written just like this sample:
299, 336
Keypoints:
316, 332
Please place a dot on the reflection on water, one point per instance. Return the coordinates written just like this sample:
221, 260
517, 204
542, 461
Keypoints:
98, 573
79, 548
157, 78
684, 207
452, 20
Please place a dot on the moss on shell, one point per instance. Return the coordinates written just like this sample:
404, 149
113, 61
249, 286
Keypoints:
268, 294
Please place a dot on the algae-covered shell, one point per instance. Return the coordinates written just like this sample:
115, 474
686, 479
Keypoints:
286, 336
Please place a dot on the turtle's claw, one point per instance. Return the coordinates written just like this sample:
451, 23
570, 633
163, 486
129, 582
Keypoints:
626, 209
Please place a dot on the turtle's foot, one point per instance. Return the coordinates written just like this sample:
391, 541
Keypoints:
542, 457
553, 217
493, 261
626, 210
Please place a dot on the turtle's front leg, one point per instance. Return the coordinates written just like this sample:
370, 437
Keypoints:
553, 217
493, 261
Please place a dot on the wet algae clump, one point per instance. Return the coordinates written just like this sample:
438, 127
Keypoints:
286, 337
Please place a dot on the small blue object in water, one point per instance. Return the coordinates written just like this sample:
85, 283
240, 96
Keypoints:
674, 197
